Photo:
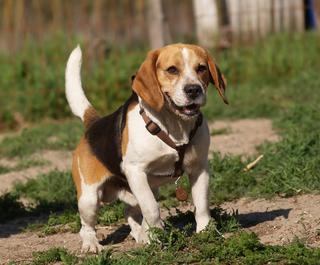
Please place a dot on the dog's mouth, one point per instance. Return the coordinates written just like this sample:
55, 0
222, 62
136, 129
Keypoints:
188, 110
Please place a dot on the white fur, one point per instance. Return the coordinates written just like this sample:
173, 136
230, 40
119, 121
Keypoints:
189, 73
74, 92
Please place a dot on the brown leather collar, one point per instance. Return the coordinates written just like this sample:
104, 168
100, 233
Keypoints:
154, 129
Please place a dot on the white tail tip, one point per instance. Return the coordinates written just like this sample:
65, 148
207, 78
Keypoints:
74, 92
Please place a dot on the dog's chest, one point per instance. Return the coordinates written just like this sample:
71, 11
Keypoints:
162, 164
148, 152
161, 169
153, 154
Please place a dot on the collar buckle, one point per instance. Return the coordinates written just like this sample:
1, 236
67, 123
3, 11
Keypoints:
152, 127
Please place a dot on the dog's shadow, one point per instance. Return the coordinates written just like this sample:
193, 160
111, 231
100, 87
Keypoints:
252, 219
182, 219
117, 236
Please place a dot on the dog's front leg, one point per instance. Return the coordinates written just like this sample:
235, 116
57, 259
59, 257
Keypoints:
199, 180
138, 182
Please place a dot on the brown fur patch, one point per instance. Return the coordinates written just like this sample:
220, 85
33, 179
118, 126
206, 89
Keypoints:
125, 132
76, 174
92, 170
90, 116
146, 84
218, 79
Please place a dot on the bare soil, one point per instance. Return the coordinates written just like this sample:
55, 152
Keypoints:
280, 220
275, 221
241, 137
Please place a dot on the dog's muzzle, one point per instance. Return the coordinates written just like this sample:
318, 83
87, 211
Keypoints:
187, 110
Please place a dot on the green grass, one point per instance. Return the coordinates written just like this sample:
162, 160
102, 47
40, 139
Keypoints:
33, 79
46, 136
38, 71
174, 246
49, 193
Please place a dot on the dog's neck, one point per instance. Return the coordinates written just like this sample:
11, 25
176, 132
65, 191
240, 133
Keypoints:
177, 128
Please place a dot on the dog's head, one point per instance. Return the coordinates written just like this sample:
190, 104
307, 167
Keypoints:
177, 76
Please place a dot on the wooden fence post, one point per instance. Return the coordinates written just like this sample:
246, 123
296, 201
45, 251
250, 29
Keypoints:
207, 21
155, 23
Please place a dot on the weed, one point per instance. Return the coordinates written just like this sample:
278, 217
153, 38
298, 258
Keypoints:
54, 255
61, 222
49, 192
111, 213
102, 259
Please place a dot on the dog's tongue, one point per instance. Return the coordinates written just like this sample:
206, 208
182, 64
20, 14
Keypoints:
191, 109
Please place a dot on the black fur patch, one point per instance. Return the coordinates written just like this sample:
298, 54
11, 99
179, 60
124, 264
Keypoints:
104, 137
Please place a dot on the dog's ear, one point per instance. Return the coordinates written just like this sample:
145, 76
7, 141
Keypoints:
217, 78
146, 84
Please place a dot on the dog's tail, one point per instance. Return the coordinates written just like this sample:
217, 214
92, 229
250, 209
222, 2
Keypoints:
79, 104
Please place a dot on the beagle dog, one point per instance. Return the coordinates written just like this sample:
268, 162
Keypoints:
121, 157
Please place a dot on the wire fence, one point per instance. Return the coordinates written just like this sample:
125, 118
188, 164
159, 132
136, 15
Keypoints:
124, 21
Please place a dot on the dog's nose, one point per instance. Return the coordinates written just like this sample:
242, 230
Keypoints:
193, 91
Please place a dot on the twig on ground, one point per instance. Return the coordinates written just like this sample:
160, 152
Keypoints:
253, 164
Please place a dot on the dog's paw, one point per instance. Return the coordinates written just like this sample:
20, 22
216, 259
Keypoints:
90, 242
143, 237
135, 233
91, 247
202, 223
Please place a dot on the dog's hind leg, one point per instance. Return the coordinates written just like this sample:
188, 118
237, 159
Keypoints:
89, 176
134, 218
88, 208
133, 213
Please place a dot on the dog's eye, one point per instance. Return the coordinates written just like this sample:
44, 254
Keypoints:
173, 70
201, 69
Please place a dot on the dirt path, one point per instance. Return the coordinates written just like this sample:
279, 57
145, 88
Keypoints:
275, 221
241, 137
